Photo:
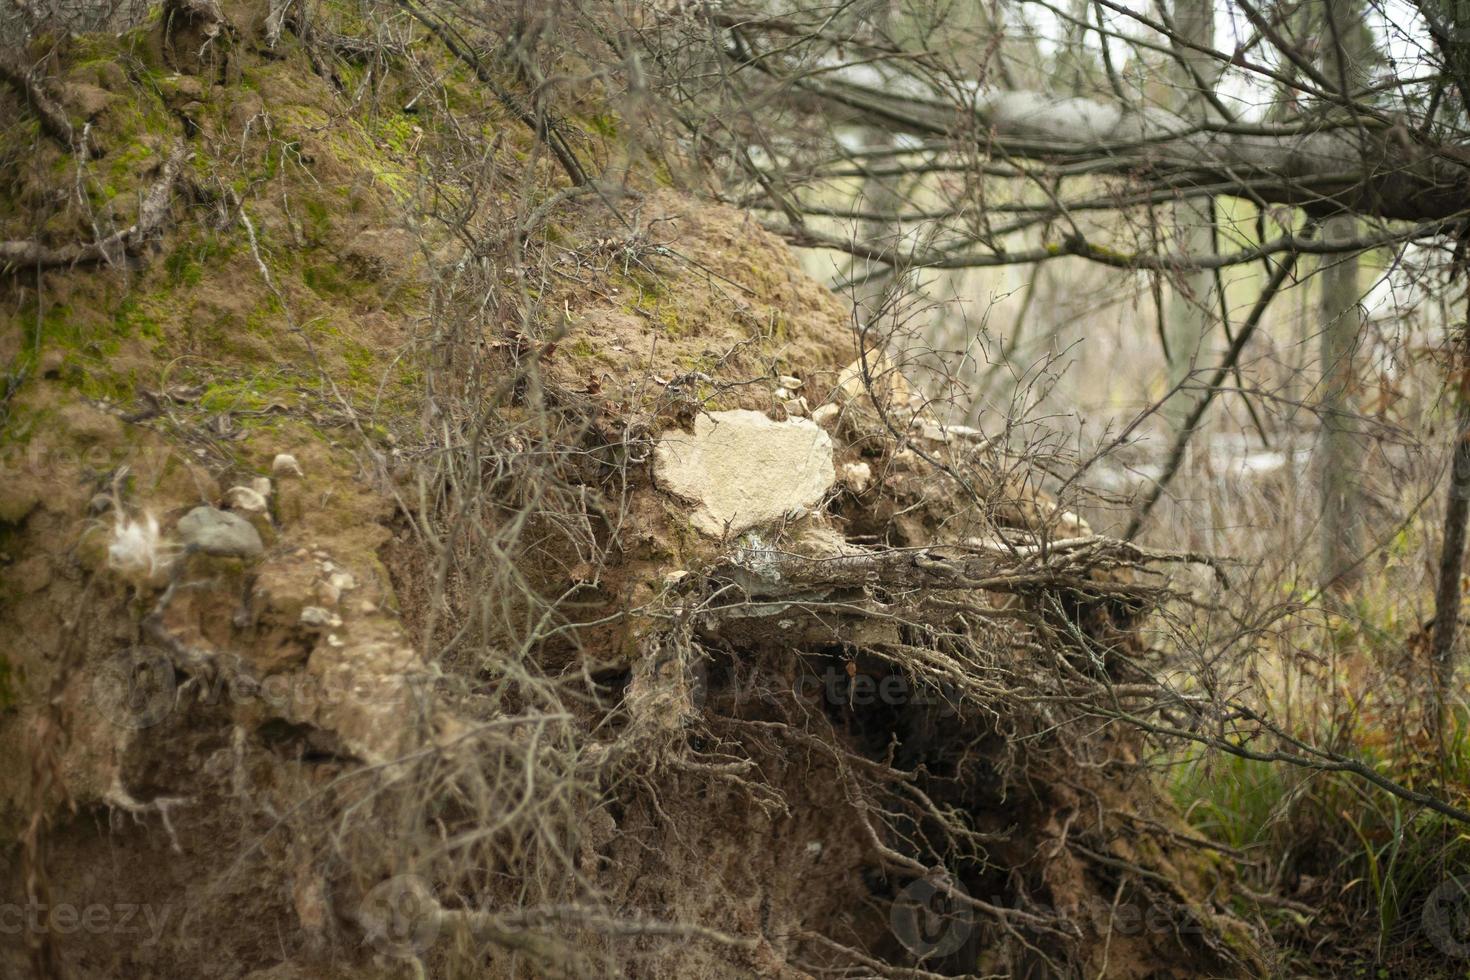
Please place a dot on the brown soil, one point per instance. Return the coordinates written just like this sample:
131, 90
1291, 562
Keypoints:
704, 808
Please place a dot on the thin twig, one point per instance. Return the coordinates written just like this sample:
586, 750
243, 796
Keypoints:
1191, 422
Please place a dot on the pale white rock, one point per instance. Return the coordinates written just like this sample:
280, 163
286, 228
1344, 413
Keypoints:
1073, 526
856, 477
936, 432
328, 594
796, 406
789, 381
262, 486
319, 617
285, 465
825, 415
342, 581
742, 469
247, 500
819, 541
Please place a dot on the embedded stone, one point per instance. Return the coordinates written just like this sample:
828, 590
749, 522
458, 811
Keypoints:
246, 500
220, 533
825, 415
856, 477
285, 465
743, 469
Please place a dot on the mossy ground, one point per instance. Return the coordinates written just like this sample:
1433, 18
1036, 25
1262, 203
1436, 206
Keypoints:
275, 145
288, 308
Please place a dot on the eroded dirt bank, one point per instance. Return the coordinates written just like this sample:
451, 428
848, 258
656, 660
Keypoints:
558, 603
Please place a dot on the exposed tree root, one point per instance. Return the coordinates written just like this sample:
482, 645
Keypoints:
152, 212
53, 119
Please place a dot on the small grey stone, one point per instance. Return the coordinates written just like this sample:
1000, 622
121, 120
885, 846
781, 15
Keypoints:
218, 532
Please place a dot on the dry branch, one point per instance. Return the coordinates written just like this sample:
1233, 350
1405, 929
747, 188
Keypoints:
1191, 422
54, 122
1390, 176
985, 566
1079, 247
1457, 511
152, 212
1306, 756
1352, 156
546, 129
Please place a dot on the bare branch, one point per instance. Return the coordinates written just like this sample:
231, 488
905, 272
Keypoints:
152, 211
1390, 176
1079, 247
52, 116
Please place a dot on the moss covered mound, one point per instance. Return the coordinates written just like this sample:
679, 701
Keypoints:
325, 261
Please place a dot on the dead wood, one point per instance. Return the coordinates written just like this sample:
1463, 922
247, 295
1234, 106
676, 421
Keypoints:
152, 212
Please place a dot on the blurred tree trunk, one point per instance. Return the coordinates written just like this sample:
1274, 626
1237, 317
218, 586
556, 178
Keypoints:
1340, 451
1192, 301
1457, 510
879, 194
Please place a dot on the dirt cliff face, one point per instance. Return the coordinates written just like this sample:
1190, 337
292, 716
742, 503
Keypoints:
442, 680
